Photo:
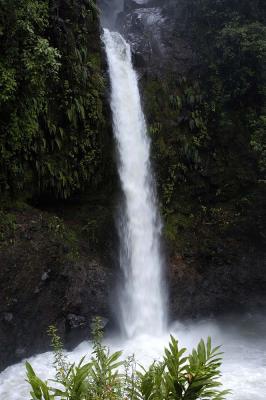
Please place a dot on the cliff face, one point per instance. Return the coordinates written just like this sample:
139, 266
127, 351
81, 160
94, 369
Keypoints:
57, 176
157, 33
57, 268
202, 129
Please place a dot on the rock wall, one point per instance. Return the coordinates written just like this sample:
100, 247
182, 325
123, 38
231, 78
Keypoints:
218, 272
54, 271
55, 255
150, 27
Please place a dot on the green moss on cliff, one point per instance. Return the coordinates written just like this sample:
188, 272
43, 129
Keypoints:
53, 131
208, 133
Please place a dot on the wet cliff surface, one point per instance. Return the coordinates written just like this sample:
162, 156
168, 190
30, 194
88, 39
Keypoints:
56, 269
56, 254
211, 195
157, 32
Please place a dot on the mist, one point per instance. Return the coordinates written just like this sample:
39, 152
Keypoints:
110, 10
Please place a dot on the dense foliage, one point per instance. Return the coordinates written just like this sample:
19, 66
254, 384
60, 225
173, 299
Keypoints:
106, 376
51, 99
207, 128
209, 131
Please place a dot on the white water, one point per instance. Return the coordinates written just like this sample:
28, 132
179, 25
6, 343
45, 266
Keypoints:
141, 299
142, 303
244, 344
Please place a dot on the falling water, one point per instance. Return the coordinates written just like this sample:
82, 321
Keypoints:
141, 298
142, 301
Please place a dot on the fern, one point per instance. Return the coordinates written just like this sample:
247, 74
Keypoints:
107, 377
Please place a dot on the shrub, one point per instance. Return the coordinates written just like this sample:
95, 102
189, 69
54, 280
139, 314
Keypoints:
53, 123
107, 377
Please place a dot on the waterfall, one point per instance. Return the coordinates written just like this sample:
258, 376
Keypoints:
141, 297
142, 308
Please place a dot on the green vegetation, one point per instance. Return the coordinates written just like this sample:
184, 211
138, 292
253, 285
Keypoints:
105, 376
60, 233
51, 97
208, 129
7, 227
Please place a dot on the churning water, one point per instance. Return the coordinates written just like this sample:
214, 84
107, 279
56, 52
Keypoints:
142, 305
141, 297
244, 346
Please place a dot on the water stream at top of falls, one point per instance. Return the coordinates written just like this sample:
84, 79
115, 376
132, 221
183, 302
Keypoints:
142, 304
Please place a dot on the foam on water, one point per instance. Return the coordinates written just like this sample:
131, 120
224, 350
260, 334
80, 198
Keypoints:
243, 340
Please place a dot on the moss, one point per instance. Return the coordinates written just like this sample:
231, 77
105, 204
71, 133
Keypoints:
54, 121
8, 226
204, 165
68, 228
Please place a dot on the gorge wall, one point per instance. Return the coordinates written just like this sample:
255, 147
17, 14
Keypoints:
57, 175
206, 117
201, 103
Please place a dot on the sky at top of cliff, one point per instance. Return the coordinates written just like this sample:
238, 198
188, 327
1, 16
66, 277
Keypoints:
110, 9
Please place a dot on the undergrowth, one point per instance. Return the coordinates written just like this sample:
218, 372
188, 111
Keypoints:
107, 376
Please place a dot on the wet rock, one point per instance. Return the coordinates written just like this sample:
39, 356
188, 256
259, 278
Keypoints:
76, 321
45, 276
20, 352
217, 289
103, 322
8, 317
157, 34
40, 286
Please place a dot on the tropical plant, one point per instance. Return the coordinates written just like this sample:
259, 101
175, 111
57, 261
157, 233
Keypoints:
208, 129
106, 376
51, 97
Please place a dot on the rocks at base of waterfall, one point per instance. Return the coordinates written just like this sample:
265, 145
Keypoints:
21, 352
76, 321
197, 291
102, 320
41, 286
69, 301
